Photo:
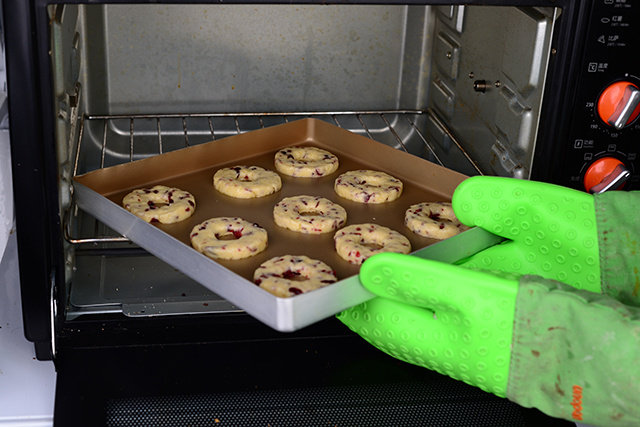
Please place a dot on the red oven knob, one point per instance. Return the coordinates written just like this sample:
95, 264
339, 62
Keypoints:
606, 173
619, 104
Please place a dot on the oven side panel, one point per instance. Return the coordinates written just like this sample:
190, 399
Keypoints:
34, 169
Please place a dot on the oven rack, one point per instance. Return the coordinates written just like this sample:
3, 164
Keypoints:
106, 140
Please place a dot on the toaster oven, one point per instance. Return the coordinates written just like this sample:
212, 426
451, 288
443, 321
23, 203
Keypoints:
530, 89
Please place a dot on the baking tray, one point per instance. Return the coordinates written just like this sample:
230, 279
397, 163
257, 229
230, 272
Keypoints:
100, 193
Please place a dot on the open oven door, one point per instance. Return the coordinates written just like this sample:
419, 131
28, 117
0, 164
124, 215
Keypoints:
319, 376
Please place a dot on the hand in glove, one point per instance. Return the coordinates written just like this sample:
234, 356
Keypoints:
589, 242
568, 352
551, 230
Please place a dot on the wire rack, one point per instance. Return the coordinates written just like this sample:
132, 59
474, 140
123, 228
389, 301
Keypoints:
370, 123
106, 140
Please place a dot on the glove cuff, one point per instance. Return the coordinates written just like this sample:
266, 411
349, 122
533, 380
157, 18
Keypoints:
572, 351
619, 244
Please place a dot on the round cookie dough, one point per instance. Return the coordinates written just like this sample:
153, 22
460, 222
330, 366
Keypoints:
306, 162
358, 242
309, 214
435, 220
162, 204
289, 275
368, 186
228, 238
246, 182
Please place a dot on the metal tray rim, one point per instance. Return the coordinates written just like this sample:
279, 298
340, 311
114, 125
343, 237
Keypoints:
282, 314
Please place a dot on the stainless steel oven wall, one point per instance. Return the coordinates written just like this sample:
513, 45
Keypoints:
155, 59
66, 87
230, 58
489, 68
478, 72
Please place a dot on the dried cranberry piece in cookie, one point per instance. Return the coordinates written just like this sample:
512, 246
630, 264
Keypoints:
290, 275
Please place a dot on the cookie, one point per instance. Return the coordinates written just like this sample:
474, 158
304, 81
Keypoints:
228, 238
435, 220
309, 214
162, 204
246, 182
306, 162
368, 186
289, 275
358, 242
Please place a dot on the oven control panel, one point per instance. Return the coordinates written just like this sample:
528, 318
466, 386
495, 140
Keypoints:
603, 151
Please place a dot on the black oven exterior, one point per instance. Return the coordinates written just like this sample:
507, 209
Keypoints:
570, 137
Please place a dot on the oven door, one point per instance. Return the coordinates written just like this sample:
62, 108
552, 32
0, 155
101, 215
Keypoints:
321, 376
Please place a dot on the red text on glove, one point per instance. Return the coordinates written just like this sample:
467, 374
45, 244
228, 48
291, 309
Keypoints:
577, 403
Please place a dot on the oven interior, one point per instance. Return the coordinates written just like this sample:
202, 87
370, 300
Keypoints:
458, 85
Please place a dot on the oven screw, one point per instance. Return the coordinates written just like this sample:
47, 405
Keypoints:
480, 86
449, 55
498, 83
471, 75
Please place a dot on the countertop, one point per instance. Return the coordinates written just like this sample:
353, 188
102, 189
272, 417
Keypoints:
27, 385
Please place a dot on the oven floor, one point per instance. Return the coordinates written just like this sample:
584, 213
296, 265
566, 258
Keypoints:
330, 381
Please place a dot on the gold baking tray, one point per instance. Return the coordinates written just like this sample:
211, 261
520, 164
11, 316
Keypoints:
100, 193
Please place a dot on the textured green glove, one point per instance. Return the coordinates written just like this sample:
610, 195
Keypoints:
551, 230
539, 342
443, 317
589, 242
568, 352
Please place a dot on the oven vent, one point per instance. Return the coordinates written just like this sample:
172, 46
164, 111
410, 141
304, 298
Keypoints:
401, 404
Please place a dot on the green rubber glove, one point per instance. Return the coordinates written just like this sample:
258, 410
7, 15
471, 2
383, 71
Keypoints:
570, 353
494, 322
590, 242
551, 230
443, 317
